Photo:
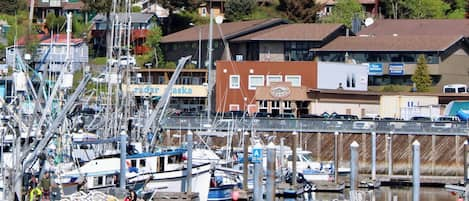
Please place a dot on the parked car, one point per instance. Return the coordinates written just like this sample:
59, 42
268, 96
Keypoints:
345, 117
112, 78
445, 122
262, 114
123, 61
311, 116
285, 116
363, 125
236, 114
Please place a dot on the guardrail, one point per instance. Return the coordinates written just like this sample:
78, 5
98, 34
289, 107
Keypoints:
320, 125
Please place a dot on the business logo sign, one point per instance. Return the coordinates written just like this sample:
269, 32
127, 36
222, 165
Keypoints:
396, 69
280, 92
375, 69
177, 90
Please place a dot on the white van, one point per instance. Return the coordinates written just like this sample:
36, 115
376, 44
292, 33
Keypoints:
455, 88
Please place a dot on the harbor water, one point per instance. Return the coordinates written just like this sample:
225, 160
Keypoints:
382, 194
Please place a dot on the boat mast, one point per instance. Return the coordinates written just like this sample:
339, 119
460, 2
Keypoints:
209, 68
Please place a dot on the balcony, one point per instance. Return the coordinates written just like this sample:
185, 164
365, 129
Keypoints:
139, 33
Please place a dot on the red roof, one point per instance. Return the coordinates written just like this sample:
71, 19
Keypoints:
45, 39
61, 38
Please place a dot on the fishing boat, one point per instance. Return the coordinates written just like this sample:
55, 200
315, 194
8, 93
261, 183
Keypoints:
162, 171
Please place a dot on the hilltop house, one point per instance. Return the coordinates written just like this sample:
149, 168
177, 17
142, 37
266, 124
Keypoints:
141, 23
51, 53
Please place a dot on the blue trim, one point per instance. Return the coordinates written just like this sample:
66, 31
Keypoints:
178, 151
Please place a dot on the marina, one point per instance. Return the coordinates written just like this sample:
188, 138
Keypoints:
67, 134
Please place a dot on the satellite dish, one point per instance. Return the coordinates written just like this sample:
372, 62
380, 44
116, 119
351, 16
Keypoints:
369, 21
219, 19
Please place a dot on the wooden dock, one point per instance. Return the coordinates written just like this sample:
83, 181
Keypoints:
175, 196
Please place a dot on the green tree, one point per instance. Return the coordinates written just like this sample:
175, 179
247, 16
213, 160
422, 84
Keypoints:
11, 7
299, 10
421, 77
236, 10
80, 28
424, 9
344, 11
181, 5
55, 23
136, 9
153, 42
393, 8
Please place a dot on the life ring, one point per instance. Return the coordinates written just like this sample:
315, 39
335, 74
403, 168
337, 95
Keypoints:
34, 192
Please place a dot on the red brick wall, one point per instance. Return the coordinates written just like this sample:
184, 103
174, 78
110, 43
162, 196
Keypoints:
226, 96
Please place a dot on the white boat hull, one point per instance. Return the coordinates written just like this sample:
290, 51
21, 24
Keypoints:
175, 181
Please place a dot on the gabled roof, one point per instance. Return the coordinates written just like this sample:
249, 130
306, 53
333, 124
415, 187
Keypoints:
405, 27
392, 43
230, 30
45, 39
136, 17
293, 32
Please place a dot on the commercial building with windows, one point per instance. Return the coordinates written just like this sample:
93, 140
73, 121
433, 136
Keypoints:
282, 87
392, 59
255, 40
189, 94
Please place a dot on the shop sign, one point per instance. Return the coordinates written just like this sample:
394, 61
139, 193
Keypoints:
396, 69
375, 69
177, 90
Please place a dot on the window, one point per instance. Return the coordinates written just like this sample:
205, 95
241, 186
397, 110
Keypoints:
255, 81
142, 163
234, 81
294, 79
98, 181
234, 107
204, 12
287, 104
273, 78
133, 163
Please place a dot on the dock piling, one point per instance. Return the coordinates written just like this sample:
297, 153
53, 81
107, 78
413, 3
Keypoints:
354, 166
123, 158
295, 140
389, 150
270, 174
245, 160
416, 170
189, 161
373, 156
257, 172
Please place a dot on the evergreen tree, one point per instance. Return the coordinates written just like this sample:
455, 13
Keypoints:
421, 77
299, 10
236, 10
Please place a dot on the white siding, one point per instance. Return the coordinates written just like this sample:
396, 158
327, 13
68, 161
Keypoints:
352, 76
